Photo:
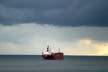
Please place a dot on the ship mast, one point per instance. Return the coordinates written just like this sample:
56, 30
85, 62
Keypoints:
48, 48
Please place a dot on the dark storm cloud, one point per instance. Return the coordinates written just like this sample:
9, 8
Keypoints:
56, 12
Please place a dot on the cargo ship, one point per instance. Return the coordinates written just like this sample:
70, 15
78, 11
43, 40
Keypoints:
49, 55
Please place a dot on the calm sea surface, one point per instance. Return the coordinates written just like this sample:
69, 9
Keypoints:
33, 63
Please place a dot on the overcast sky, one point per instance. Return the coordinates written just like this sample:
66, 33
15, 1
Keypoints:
77, 27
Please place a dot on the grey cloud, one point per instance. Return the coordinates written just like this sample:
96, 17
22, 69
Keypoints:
56, 12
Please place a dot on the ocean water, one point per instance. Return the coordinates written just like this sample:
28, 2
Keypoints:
35, 63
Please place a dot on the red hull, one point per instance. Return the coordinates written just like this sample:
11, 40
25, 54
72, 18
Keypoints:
54, 56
